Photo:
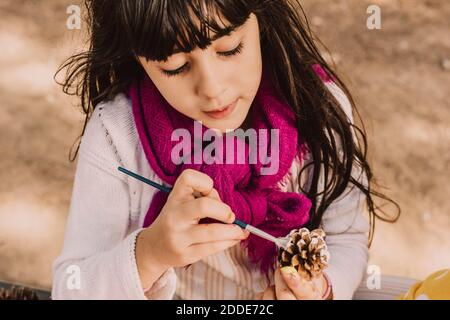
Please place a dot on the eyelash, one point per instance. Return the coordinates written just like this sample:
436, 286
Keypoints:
233, 52
236, 51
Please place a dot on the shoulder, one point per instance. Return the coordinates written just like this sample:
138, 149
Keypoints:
335, 90
117, 117
111, 140
346, 106
111, 134
342, 98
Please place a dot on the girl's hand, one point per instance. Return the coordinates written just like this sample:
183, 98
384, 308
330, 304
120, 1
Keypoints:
289, 285
176, 239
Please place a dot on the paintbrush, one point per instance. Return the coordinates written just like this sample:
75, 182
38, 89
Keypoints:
280, 242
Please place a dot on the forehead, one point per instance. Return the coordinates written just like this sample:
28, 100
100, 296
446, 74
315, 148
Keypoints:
185, 29
213, 36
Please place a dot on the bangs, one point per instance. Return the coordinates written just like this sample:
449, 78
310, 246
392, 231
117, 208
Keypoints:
157, 29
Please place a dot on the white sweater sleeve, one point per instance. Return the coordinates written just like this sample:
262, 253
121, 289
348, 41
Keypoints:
98, 256
346, 229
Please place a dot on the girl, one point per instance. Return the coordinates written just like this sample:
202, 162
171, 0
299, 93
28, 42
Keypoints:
157, 66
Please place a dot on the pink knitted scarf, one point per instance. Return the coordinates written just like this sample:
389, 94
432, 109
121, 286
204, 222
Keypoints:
255, 198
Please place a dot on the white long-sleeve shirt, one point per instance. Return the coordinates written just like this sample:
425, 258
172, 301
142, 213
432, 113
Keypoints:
108, 208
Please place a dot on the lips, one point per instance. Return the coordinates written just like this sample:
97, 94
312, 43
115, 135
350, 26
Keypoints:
223, 112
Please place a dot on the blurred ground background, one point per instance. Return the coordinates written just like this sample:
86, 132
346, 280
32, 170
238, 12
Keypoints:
400, 77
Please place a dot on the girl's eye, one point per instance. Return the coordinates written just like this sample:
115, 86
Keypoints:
185, 67
175, 72
233, 52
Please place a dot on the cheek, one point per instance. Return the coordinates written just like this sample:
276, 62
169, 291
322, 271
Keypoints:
176, 92
251, 71
178, 96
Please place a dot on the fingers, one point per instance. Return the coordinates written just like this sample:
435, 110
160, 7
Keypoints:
258, 296
301, 289
282, 291
215, 195
269, 294
206, 207
205, 249
190, 181
212, 232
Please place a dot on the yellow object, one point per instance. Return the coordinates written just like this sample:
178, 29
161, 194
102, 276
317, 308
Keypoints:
288, 270
434, 287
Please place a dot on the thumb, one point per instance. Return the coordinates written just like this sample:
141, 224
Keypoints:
214, 194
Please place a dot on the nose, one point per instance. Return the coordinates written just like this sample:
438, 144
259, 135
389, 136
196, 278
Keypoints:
209, 85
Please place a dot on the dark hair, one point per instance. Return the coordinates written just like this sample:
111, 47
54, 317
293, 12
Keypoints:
122, 29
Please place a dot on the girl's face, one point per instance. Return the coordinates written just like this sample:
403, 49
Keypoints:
226, 75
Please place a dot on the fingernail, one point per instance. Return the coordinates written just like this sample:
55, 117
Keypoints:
244, 233
290, 271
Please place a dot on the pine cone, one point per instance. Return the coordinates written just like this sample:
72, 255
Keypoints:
306, 251
18, 293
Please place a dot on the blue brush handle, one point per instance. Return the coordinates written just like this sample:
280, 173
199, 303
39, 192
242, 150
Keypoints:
158, 186
145, 180
240, 223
